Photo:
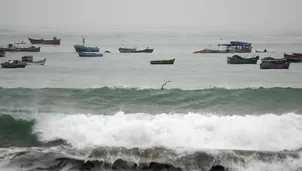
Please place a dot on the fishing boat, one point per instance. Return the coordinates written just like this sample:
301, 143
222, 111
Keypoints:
90, 54
2, 54
274, 64
14, 64
29, 60
134, 50
31, 49
10, 48
166, 62
13, 48
83, 48
232, 47
294, 57
236, 59
54, 41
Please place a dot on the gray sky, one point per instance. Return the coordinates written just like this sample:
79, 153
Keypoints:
202, 14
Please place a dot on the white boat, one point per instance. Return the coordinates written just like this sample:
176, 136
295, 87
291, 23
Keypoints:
29, 60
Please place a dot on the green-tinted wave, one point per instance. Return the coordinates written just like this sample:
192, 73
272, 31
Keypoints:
110, 100
16, 132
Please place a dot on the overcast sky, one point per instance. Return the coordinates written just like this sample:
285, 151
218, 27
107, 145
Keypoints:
204, 14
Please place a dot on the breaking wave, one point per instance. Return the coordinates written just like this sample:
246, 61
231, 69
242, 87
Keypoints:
191, 131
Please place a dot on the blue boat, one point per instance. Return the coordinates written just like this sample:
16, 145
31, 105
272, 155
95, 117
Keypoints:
83, 48
237, 43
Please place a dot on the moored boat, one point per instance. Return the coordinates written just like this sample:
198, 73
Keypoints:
210, 51
31, 49
14, 64
236, 59
90, 54
171, 62
29, 60
274, 64
2, 54
83, 48
54, 41
232, 47
294, 57
134, 50
12, 48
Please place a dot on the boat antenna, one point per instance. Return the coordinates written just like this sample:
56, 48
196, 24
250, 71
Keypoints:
162, 87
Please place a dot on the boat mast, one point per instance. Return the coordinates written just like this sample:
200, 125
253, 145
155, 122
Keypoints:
83, 40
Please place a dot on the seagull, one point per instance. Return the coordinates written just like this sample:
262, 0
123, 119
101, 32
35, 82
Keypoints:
162, 87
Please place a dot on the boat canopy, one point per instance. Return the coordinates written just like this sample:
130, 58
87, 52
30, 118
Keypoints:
236, 43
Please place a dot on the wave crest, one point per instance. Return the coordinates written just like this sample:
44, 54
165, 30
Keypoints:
131, 100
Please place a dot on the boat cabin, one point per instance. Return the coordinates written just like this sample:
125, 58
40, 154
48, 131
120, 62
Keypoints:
27, 58
239, 47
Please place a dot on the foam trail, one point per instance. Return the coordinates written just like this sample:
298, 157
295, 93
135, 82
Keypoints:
289, 164
192, 130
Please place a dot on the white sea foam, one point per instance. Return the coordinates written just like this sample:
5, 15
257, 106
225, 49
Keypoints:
197, 131
288, 164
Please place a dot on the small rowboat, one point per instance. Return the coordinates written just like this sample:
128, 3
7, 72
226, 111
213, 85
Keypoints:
274, 64
294, 57
29, 60
134, 50
236, 59
54, 41
158, 62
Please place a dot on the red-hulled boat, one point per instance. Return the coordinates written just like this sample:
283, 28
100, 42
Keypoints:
54, 41
294, 57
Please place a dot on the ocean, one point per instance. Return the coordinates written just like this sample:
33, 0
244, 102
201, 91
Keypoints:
109, 113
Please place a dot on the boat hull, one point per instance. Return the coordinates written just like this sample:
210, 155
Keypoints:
269, 65
126, 50
83, 54
2, 54
236, 59
41, 62
45, 42
162, 62
210, 51
294, 58
241, 61
29, 49
12, 65
81, 48
221, 51
11, 49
